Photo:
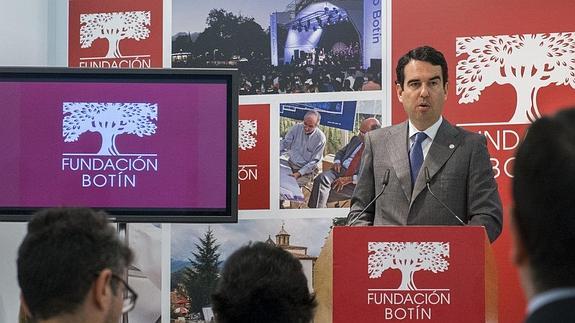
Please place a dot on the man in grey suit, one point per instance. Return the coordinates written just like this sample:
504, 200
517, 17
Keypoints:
337, 183
426, 149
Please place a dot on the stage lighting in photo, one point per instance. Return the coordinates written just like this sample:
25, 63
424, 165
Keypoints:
317, 19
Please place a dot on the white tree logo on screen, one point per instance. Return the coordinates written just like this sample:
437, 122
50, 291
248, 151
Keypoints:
114, 27
247, 133
527, 62
109, 120
408, 257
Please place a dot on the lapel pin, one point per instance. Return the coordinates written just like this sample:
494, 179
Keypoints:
451, 146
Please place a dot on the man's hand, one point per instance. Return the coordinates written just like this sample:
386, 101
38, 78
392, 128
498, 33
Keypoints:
339, 183
336, 167
295, 175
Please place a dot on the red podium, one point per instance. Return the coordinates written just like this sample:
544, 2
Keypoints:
406, 274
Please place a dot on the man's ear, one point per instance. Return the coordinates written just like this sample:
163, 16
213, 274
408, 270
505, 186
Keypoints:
101, 290
518, 252
399, 91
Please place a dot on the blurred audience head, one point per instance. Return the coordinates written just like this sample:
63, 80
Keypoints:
543, 217
70, 265
262, 283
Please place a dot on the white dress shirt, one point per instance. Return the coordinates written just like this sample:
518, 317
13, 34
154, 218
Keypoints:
431, 132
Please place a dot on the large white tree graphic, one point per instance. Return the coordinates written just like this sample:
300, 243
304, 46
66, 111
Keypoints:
109, 120
114, 27
247, 131
408, 257
527, 62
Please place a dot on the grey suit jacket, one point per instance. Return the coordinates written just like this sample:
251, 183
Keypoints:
461, 177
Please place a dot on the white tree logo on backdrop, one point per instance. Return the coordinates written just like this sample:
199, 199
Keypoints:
114, 27
109, 120
247, 133
408, 257
527, 62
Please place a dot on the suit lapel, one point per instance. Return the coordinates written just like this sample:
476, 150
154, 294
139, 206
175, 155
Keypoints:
353, 144
399, 156
445, 143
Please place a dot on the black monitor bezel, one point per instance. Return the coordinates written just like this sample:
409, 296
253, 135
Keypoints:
187, 75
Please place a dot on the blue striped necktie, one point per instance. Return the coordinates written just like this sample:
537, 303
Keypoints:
416, 156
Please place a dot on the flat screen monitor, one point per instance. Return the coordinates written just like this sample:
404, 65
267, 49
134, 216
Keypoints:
157, 145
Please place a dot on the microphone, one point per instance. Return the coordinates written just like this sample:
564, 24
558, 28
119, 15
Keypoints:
427, 181
385, 182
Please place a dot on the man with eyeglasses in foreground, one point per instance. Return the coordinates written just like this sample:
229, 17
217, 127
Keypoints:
70, 266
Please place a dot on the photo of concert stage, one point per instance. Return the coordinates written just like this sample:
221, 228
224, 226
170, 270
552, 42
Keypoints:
286, 46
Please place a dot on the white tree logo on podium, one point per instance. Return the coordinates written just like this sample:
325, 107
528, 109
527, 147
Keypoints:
114, 27
408, 257
248, 129
109, 120
527, 62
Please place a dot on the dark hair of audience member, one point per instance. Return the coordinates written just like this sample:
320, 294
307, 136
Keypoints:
262, 283
61, 255
544, 206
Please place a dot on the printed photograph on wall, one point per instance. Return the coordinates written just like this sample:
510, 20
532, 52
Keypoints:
199, 252
145, 272
115, 34
253, 157
320, 151
283, 46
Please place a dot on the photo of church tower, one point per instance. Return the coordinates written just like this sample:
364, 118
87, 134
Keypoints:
300, 252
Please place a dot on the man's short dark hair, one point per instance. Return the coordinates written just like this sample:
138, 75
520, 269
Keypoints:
61, 255
425, 54
263, 283
544, 206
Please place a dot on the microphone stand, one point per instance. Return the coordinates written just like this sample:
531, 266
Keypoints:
427, 181
385, 182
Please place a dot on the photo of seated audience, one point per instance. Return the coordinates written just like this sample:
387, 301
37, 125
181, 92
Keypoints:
333, 62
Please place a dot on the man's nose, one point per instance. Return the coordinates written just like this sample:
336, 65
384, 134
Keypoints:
424, 92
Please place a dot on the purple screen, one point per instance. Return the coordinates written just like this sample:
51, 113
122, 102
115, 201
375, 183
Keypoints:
113, 145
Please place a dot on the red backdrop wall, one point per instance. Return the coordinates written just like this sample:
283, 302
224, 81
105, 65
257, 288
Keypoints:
438, 23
